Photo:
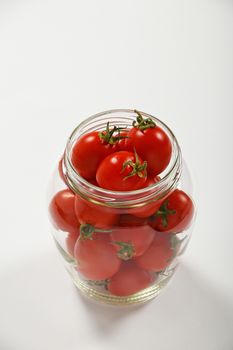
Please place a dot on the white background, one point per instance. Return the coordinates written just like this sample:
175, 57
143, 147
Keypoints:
61, 61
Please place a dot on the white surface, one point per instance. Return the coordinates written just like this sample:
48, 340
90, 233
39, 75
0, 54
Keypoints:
61, 61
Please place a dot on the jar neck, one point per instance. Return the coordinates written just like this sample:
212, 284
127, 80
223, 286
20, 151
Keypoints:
122, 118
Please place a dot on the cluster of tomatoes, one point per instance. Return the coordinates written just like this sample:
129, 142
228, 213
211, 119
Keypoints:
123, 249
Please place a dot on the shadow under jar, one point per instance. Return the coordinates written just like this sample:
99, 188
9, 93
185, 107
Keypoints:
120, 247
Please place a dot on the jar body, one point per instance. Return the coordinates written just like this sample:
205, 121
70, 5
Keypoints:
115, 246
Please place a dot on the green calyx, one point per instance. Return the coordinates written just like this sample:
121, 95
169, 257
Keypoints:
143, 123
126, 250
87, 231
137, 168
108, 135
164, 212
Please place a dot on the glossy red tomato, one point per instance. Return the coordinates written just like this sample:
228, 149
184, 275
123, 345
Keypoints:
132, 241
62, 212
96, 257
88, 152
158, 256
71, 239
128, 280
91, 148
151, 143
122, 171
94, 214
175, 214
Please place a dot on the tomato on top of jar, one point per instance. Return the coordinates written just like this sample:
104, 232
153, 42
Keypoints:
122, 209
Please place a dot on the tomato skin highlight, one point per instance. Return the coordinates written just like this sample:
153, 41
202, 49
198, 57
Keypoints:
180, 213
94, 214
96, 257
138, 237
112, 175
71, 240
128, 280
62, 211
87, 153
152, 145
158, 256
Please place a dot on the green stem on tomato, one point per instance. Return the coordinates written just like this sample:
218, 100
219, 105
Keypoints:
87, 230
108, 135
143, 123
126, 250
137, 168
164, 212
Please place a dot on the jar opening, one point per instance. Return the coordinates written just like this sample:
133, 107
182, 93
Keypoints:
122, 118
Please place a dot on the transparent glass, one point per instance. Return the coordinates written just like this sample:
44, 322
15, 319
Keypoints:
114, 249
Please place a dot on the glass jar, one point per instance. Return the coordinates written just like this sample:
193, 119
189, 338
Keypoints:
117, 246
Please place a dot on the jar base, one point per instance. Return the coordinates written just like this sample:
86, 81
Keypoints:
134, 299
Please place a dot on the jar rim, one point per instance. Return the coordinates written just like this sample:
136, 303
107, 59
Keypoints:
170, 178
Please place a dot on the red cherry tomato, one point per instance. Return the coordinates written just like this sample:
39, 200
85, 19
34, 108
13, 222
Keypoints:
128, 280
71, 239
175, 214
96, 257
121, 171
62, 212
158, 256
91, 148
87, 154
94, 214
132, 241
152, 144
